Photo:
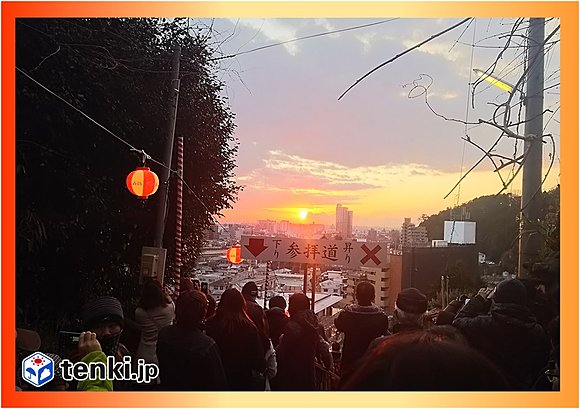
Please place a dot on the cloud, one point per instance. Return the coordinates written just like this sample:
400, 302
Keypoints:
299, 175
366, 39
442, 49
322, 22
273, 29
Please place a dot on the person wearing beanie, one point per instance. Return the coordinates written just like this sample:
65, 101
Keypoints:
361, 323
104, 316
498, 323
189, 360
410, 308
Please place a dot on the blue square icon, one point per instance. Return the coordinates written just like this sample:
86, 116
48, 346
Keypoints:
38, 369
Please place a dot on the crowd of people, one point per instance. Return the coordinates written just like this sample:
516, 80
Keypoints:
492, 341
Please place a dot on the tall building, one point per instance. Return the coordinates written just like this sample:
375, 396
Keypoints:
387, 282
343, 221
413, 236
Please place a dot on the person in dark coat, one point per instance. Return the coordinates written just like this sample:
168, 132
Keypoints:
299, 348
361, 323
276, 317
255, 312
507, 333
189, 360
447, 315
239, 342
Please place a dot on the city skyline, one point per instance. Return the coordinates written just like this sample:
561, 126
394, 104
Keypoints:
379, 151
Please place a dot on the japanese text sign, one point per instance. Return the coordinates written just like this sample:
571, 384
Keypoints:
345, 253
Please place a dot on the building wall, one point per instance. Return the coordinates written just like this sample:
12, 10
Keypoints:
344, 219
413, 236
396, 282
422, 267
387, 283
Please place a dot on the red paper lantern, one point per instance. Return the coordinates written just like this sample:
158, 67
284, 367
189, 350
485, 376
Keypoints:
234, 254
142, 182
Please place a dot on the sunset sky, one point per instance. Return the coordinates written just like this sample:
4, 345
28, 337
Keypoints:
379, 151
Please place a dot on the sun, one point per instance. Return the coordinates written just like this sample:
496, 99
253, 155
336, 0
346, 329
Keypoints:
303, 214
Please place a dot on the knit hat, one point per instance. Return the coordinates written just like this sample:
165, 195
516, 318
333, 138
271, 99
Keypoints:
511, 291
412, 300
250, 288
102, 309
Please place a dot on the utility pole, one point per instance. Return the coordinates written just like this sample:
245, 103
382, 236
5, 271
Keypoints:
164, 174
529, 238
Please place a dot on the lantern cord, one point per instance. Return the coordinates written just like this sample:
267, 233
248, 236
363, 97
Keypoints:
145, 155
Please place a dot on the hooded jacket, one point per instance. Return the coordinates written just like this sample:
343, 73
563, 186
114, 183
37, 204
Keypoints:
509, 335
297, 351
360, 324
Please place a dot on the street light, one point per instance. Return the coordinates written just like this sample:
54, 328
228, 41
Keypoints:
501, 84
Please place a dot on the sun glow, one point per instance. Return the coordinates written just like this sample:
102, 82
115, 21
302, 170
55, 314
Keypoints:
303, 214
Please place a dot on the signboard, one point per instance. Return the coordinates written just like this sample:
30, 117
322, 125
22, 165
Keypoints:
347, 253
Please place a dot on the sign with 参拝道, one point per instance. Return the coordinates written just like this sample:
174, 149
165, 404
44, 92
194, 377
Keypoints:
345, 253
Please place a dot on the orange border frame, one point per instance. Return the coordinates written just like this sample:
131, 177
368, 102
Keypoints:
568, 14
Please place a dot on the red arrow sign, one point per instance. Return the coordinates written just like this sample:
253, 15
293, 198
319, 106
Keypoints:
256, 246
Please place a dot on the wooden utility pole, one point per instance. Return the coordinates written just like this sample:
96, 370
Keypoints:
530, 239
164, 174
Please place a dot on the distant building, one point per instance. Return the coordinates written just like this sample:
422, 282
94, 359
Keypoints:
372, 235
344, 222
266, 226
413, 236
212, 232
459, 232
283, 226
387, 282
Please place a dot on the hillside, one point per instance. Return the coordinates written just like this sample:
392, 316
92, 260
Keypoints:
497, 222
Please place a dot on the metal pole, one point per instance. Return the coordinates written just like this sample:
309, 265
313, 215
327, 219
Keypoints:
443, 305
164, 173
529, 239
313, 289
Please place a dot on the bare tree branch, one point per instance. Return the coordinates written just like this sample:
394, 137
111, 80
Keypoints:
403, 53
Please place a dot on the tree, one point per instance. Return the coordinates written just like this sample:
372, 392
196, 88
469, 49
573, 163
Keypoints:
79, 231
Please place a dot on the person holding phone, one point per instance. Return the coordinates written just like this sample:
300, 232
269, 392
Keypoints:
498, 323
90, 350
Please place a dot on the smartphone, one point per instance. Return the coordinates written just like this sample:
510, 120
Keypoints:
68, 342
204, 288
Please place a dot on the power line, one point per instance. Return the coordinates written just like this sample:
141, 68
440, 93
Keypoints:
303, 38
131, 147
403, 53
